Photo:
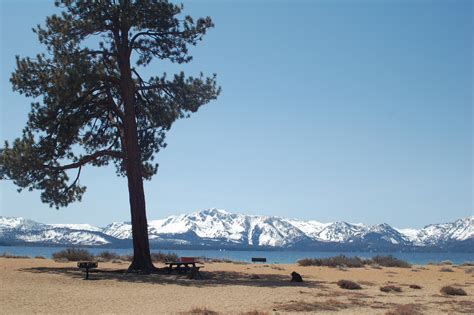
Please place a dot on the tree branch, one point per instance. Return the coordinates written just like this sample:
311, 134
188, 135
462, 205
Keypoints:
99, 52
151, 87
134, 38
112, 105
86, 159
75, 181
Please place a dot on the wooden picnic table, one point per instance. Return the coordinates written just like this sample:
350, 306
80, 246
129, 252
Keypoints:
185, 265
181, 265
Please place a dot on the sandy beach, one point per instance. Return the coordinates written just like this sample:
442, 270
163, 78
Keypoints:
45, 286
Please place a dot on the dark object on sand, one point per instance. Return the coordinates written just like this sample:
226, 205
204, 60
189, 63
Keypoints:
415, 286
254, 277
87, 265
296, 277
449, 290
348, 285
390, 288
259, 259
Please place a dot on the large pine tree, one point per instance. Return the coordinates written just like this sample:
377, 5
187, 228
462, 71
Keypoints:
95, 108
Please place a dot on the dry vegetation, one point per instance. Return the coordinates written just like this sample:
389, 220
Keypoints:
303, 306
449, 290
390, 261
390, 288
77, 254
445, 262
73, 254
107, 256
355, 262
336, 261
405, 309
8, 255
469, 270
200, 311
348, 285
163, 257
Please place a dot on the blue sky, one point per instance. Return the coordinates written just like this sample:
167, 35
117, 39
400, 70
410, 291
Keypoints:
331, 110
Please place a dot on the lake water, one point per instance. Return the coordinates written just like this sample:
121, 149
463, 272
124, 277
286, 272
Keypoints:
277, 257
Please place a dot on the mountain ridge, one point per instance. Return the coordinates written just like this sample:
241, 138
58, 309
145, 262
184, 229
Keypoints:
218, 228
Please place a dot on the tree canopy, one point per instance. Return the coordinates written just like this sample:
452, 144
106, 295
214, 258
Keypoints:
90, 99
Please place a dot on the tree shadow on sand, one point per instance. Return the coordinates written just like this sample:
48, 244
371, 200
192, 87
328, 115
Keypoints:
210, 278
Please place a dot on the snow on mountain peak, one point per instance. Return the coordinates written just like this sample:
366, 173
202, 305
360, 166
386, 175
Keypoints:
217, 225
18, 222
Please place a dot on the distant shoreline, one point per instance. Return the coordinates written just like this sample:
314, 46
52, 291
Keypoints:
273, 255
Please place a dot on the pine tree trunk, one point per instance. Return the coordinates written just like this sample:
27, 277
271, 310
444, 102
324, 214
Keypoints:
141, 249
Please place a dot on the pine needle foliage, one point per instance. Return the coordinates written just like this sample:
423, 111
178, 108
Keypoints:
90, 99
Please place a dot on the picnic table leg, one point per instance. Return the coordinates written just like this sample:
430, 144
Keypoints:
186, 268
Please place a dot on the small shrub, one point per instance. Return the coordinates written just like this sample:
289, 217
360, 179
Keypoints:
415, 286
126, 257
201, 311
313, 307
107, 256
336, 261
163, 257
446, 269
222, 260
116, 261
469, 270
390, 288
348, 285
446, 262
73, 254
307, 262
355, 262
276, 267
405, 309
449, 290
390, 261
8, 255
40, 257
216, 260
467, 264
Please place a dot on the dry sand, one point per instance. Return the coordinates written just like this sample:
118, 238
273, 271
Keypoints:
45, 286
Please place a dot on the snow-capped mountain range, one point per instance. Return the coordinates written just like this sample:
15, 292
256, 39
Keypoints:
214, 228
